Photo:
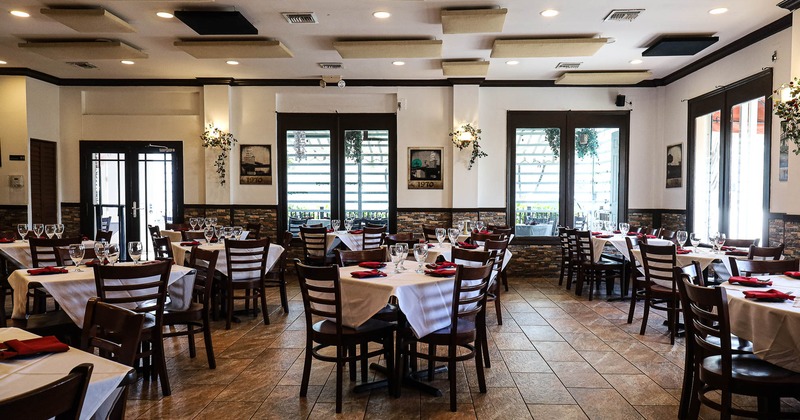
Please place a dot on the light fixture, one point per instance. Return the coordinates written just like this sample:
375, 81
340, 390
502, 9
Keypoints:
718, 11
635, 61
382, 15
127, 62
399, 63
2, 62
341, 84
20, 13
165, 15
549, 12
512, 62
232, 62
465, 137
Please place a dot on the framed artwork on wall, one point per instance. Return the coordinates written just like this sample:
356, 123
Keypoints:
425, 168
675, 166
255, 164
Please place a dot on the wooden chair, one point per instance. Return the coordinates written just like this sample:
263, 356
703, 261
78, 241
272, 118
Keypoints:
348, 258
667, 234
143, 288
635, 276
742, 243
764, 267
566, 268
103, 235
480, 238
322, 298
497, 250
44, 253
177, 226
63, 259
254, 230
395, 238
187, 235
654, 232
371, 237
574, 255
162, 249
62, 399
247, 269
315, 245
276, 276
717, 367
197, 317
765, 252
593, 269
429, 233
658, 263
503, 230
155, 231
466, 332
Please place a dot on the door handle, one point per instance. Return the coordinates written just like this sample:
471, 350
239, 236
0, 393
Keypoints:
134, 208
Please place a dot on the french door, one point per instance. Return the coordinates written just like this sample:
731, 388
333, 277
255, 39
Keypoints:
335, 166
729, 155
126, 186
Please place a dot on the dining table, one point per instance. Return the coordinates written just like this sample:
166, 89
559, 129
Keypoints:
18, 253
771, 326
74, 288
20, 375
181, 252
445, 250
177, 235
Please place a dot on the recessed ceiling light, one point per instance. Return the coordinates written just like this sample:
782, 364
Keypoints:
399, 63
127, 62
549, 13
20, 13
512, 62
233, 62
2, 62
635, 61
165, 15
381, 15
718, 10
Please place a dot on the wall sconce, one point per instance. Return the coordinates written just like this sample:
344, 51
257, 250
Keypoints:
465, 137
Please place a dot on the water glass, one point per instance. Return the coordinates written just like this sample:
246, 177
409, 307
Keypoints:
624, 228
237, 232
22, 229
453, 233
201, 222
38, 229
480, 225
681, 236
695, 240
719, 240
101, 250
135, 251
213, 221
227, 231
460, 225
193, 222
421, 254
335, 224
208, 233
113, 253
394, 252
59, 230
76, 252
441, 234
50, 231
403, 251
348, 224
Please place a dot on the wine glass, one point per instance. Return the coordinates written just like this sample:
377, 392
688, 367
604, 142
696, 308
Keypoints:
480, 225
421, 254
59, 230
237, 232
227, 231
394, 252
624, 228
453, 233
720, 240
22, 229
348, 224
113, 253
201, 221
38, 229
101, 250
193, 222
208, 233
335, 224
460, 225
695, 240
681, 236
50, 231
403, 250
76, 252
441, 233
212, 221
135, 251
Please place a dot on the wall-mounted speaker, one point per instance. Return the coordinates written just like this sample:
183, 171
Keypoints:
620, 100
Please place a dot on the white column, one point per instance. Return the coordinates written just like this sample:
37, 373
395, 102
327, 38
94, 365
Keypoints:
216, 104
465, 182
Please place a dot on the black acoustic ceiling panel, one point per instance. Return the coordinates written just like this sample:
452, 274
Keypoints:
209, 22
675, 45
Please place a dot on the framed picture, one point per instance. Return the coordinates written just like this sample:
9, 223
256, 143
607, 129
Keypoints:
255, 164
675, 166
425, 168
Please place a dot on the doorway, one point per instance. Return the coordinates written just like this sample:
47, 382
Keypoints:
43, 180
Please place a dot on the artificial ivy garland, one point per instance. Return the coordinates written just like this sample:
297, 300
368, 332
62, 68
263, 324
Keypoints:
212, 138
477, 153
789, 112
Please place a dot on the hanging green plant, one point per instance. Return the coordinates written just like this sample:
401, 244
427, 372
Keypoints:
787, 108
585, 141
214, 138
457, 137
352, 145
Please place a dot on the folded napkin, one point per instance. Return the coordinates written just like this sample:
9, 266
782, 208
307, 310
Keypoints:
357, 232
467, 246
768, 294
431, 245
441, 272
604, 236
728, 248
633, 233
795, 274
329, 230
190, 243
6, 241
93, 263
48, 344
737, 253
372, 264
748, 281
441, 265
47, 270
683, 251
483, 231
597, 233
650, 236
617, 231
367, 274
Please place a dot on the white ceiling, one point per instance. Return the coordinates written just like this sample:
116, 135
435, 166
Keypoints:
352, 19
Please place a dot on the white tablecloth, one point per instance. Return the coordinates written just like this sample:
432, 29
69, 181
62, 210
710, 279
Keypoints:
445, 251
180, 253
73, 289
771, 326
19, 253
21, 375
176, 235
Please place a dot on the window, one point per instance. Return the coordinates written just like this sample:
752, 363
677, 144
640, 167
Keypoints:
572, 182
337, 166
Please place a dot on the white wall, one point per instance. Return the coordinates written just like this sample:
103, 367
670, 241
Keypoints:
13, 137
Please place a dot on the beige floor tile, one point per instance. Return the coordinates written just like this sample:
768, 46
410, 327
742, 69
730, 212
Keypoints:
561, 412
538, 333
609, 362
640, 389
542, 388
218, 410
525, 361
284, 402
500, 404
578, 375
512, 341
604, 404
557, 352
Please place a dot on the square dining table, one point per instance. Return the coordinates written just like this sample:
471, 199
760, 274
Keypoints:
18, 253
181, 252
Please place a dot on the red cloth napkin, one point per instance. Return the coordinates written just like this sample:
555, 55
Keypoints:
190, 243
617, 231
329, 230
441, 272
93, 263
683, 251
372, 264
737, 253
441, 265
768, 294
728, 248
467, 246
6, 240
795, 274
483, 231
604, 236
431, 245
597, 233
47, 270
633, 233
48, 344
748, 281
357, 232
367, 274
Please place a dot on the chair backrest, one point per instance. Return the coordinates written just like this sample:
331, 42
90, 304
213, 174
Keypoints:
585, 248
666, 234
141, 288
765, 252
654, 231
750, 267
562, 236
105, 223
638, 229
247, 258
469, 294
286, 243
693, 272
204, 261
503, 230
62, 399
112, 330
405, 238
43, 250
375, 225
572, 241
321, 291
155, 231
469, 257
371, 237
742, 242
187, 235
315, 243
162, 248
63, 259
429, 233
705, 311
632, 242
347, 258
254, 230
496, 250
177, 226
103, 235
480, 238
658, 262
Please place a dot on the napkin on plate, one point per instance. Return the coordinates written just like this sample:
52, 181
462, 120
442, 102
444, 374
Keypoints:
48, 344
6, 241
440, 265
372, 264
367, 274
467, 246
683, 251
748, 281
737, 253
794, 274
768, 294
604, 236
190, 243
441, 272
356, 232
47, 270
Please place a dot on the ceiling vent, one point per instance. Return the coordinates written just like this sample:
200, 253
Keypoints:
82, 64
331, 66
568, 66
300, 17
622, 15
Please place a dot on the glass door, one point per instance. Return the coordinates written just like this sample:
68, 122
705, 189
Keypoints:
706, 209
308, 178
366, 176
596, 182
746, 215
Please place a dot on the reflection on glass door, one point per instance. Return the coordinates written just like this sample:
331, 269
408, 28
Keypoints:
537, 181
308, 178
108, 194
747, 169
155, 206
707, 175
596, 185
366, 167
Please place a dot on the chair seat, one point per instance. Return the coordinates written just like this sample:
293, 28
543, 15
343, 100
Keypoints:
193, 313
328, 328
466, 331
748, 371
388, 313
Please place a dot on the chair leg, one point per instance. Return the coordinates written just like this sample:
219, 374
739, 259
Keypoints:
229, 308
190, 335
451, 371
497, 307
645, 315
569, 275
263, 292
694, 399
306, 369
484, 342
505, 279
633, 306
339, 371
562, 272
161, 365
351, 353
364, 361
479, 369
686, 391
247, 301
592, 276
431, 362
284, 297
212, 361
388, 349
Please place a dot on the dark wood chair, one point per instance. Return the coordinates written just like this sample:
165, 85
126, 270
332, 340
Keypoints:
497, 250
162, 249
742, 243
276, 276
764, 267
465, 334
654, 232
635, 276
395, 238
717, 367
500, 229
315, 245
574, 254
247, 269
594, 269
142, 287
103, 235
566, 268
154, 231
63, 259
765, 252
479, 238
322, 299
667, 234
187, 235
658, 262
62, 399
254, 230
177, 226
348, 258
429, 233
197, 317
44, 253
371, 237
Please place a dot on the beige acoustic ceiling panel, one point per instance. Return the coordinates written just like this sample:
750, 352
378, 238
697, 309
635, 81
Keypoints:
89, 20
465, 68
473, 21
83, 50
603, 78
400, 48
235, 49
547, 47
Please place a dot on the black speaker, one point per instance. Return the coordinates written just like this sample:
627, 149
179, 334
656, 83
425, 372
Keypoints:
620, 100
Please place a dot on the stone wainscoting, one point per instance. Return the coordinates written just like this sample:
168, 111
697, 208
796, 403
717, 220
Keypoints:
239, 215
71, 219
658, 218
785, 229
11, 216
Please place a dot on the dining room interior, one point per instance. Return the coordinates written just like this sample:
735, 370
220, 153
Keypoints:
529, 203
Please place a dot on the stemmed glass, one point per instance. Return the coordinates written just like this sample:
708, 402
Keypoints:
227, 231
237, 232
201, 221
208, 233
101, 250
681, 236
403, 251
480, 225
695, 240
441, 234
59, 230
38, 229
22, 229
348, 224
394, 252
193, 222
624, 228
213, 221
335, 224
453, 233
50, 230
460, 225
76, 252
719, 240
113, 253
421, 254
135, 251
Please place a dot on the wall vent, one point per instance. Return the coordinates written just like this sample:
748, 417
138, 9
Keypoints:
568, 66
331, 66
300, 17
620, 15
82, 64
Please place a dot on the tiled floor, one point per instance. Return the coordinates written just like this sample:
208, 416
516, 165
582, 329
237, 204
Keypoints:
556, 356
